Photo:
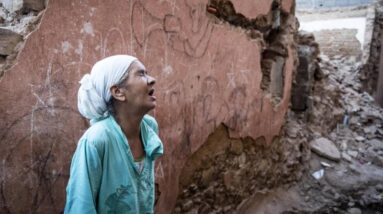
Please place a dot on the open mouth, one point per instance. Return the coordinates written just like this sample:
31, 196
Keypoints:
151, 92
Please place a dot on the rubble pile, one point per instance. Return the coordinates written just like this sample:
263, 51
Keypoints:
225, 172
345, 129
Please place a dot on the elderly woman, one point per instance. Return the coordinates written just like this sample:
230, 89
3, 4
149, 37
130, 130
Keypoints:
112, 170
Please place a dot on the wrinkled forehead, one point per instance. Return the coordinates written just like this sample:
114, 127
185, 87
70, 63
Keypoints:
137, 65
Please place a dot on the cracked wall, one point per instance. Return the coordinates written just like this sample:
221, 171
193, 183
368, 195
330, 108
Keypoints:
209, 69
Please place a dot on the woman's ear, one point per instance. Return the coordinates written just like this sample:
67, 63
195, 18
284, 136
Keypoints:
117, 93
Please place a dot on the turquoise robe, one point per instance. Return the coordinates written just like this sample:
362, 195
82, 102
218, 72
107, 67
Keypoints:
103, 175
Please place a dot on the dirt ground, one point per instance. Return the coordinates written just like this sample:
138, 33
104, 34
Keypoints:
345, 129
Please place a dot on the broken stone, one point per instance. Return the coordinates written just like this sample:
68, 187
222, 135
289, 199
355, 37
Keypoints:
193, 211
226, 209
236, 147
360, 138
352, 153
293, 130
187, 205
343, 145
326, 148
374, 157
231, 179
207, 176
325, 164
354, 211
376, 144
241, 160
377, 160
346, 157
8, 41
177, 210
318, 174
369, 130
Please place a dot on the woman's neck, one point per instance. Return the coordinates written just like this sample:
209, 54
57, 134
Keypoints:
129, 122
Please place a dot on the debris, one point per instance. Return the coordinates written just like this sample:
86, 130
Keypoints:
325, 164
354, 211
326, 148
8, 41
360, 138
353, 154
318, 174
346, 157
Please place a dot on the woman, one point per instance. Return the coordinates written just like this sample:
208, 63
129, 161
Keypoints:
112, 170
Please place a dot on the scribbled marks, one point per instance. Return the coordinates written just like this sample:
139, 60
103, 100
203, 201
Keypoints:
173, 97
191, 40
31, 156
238, 107
199, 35
210, 92
114, 42
143, 22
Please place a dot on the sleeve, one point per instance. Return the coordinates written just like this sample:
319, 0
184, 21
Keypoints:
84, 181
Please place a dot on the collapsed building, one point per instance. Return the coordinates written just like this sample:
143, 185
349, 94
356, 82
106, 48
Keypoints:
227, 73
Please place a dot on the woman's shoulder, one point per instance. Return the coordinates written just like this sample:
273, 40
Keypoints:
98, 133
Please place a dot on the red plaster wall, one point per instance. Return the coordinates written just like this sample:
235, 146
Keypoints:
207, 74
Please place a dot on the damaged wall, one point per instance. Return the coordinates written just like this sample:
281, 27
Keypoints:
222, 69
372, 70
17, 20
340, 32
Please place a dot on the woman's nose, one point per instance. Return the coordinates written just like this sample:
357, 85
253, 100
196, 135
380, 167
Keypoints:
151, 80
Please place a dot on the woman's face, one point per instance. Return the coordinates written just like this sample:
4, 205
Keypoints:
139, 88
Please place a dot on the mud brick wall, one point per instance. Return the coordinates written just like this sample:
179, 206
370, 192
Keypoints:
221, 67
342, 42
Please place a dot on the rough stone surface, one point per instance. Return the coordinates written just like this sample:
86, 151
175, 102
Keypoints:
372, 71
8, 41
379, 85
308, 68
12, 5
215, 179
326, 148
208, 73
36, 5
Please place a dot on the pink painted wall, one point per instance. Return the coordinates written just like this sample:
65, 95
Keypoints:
207, 74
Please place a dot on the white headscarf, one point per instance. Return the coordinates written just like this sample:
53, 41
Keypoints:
94, 93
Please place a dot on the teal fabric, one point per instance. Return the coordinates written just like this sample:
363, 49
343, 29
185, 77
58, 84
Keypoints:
103, 176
